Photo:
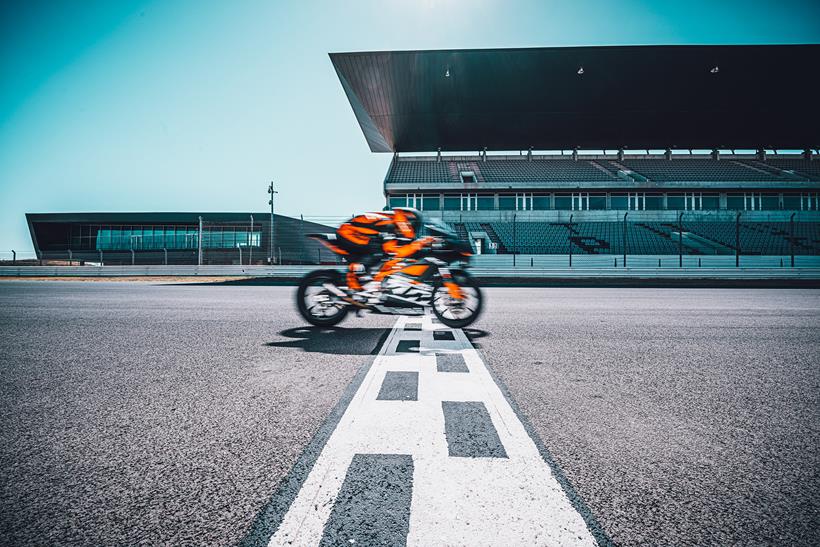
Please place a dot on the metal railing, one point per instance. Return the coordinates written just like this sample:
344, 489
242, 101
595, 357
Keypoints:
623, 241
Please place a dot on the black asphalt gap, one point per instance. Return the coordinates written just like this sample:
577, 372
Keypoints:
171, 414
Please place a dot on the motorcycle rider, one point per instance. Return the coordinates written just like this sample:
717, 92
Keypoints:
386, 237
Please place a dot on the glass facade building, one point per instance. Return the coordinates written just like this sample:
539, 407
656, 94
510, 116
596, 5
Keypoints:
157, 238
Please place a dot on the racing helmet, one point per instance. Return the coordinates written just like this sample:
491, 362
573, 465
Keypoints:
408, 221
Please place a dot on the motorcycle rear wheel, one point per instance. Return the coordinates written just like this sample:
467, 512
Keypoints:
449, 311
313, 303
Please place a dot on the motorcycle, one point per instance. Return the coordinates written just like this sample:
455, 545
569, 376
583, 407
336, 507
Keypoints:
426, 280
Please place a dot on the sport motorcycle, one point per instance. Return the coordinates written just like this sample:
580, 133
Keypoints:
434, 278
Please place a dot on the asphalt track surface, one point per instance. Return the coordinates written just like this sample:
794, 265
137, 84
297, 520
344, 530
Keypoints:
141, 413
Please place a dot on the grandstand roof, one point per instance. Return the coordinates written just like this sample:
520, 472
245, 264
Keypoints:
585, 97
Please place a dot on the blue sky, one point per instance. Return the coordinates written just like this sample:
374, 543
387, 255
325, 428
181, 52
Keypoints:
196, 105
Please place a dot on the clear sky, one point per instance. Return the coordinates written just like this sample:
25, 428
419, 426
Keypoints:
180, 105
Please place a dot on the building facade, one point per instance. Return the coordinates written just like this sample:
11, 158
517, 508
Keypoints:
175, 238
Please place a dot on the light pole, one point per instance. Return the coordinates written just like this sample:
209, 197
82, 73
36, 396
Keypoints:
302, 235
131, 239
680, 240
199, 244
737, 240
239, 246
569, 238
624, 238
514, 241
250, 242
791, 237
271, 191
14, 258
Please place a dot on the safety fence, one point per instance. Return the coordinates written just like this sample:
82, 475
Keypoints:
256, 242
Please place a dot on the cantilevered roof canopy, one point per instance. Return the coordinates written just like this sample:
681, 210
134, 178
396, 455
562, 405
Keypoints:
585, 97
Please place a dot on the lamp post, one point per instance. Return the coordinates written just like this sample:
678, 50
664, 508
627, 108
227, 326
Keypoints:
302, 236
271, 191
624, 238
239, 246
569, 238
737, 240
199, 244
680, 240
250, 243
791, 237
13, 257
514, 241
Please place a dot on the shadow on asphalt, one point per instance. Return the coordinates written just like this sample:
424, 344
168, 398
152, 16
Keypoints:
338, 340
475, 334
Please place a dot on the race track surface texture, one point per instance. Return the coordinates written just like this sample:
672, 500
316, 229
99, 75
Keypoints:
137, 413
170, 414
681, 416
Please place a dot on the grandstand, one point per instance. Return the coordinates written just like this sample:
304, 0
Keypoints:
721, 162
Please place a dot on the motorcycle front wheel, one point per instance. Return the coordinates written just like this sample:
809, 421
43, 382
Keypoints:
461, 311
317, 304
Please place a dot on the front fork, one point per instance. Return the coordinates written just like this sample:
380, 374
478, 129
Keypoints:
452, 287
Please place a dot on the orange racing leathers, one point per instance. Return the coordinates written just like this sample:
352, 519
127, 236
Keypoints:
370, 238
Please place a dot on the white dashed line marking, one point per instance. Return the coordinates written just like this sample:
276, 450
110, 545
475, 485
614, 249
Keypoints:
456, 500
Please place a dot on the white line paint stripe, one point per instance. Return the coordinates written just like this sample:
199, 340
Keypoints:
456, 501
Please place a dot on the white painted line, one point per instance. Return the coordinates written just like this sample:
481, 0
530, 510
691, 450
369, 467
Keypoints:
455, 500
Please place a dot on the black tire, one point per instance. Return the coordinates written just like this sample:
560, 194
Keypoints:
311, 280
463, 279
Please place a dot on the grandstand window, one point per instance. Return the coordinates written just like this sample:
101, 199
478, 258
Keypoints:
752, 202
580, 201
467, 177
541, 202
619, 201
452, 203
691, 201
653, 202
791, 201
710, 201
486, 203
523, 202
636, 202
597, 201
398, 201
468, 202
430, 203
810, 202
769, 202
563, 201
507, 203
735, 201
675, 202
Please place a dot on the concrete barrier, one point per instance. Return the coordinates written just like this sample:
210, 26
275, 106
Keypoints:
551, 267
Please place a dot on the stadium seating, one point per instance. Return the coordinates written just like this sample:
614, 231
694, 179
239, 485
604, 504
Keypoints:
541, 170
498, 171
805, 168
648, 238
697, 170
421, 172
